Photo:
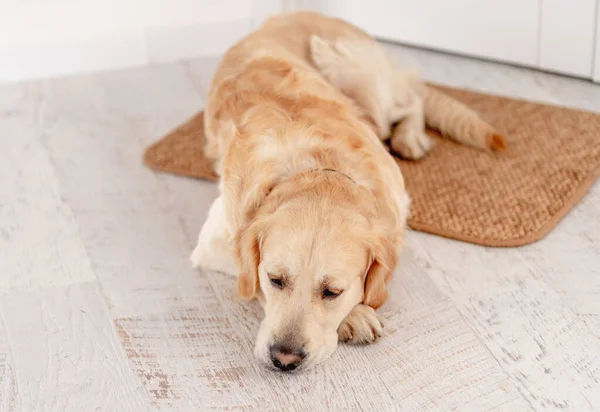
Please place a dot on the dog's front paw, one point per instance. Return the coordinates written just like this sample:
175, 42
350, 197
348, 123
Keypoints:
362, 326
198, 256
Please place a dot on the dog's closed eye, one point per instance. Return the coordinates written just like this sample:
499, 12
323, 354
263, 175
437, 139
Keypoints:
331, 293
276, 281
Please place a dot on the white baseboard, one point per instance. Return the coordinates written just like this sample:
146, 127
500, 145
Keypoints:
118, 50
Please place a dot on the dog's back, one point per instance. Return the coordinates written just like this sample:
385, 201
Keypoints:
272, 114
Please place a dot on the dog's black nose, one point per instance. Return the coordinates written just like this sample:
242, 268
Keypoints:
286, 359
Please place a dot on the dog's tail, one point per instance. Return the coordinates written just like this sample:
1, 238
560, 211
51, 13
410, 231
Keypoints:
456, 121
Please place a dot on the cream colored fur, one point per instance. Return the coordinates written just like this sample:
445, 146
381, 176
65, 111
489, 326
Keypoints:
312, 210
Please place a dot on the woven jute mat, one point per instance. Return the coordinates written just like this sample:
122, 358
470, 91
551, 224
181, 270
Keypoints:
511, 198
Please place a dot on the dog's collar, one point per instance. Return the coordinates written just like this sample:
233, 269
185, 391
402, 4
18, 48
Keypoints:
334, 171
270, 190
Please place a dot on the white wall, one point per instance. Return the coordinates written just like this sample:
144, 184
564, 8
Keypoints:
42, 38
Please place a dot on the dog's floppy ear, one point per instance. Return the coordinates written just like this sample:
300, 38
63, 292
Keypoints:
247, 240
384, 257
247, 250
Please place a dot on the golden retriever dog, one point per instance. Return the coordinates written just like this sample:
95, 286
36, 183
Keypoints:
312, 207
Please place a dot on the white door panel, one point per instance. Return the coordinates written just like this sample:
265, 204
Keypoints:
505, 30
567, 36
556, 35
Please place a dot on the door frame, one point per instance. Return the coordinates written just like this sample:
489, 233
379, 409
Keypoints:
596, 66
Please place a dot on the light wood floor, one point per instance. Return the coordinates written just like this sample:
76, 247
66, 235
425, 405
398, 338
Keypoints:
100, 310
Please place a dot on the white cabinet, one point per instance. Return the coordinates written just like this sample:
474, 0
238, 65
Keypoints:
554, 35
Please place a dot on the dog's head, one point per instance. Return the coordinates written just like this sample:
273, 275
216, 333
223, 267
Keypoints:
312, 252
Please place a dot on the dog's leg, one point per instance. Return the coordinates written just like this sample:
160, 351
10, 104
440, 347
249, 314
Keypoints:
361, 326
358, 68
363, 71
408, 138
214, 250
